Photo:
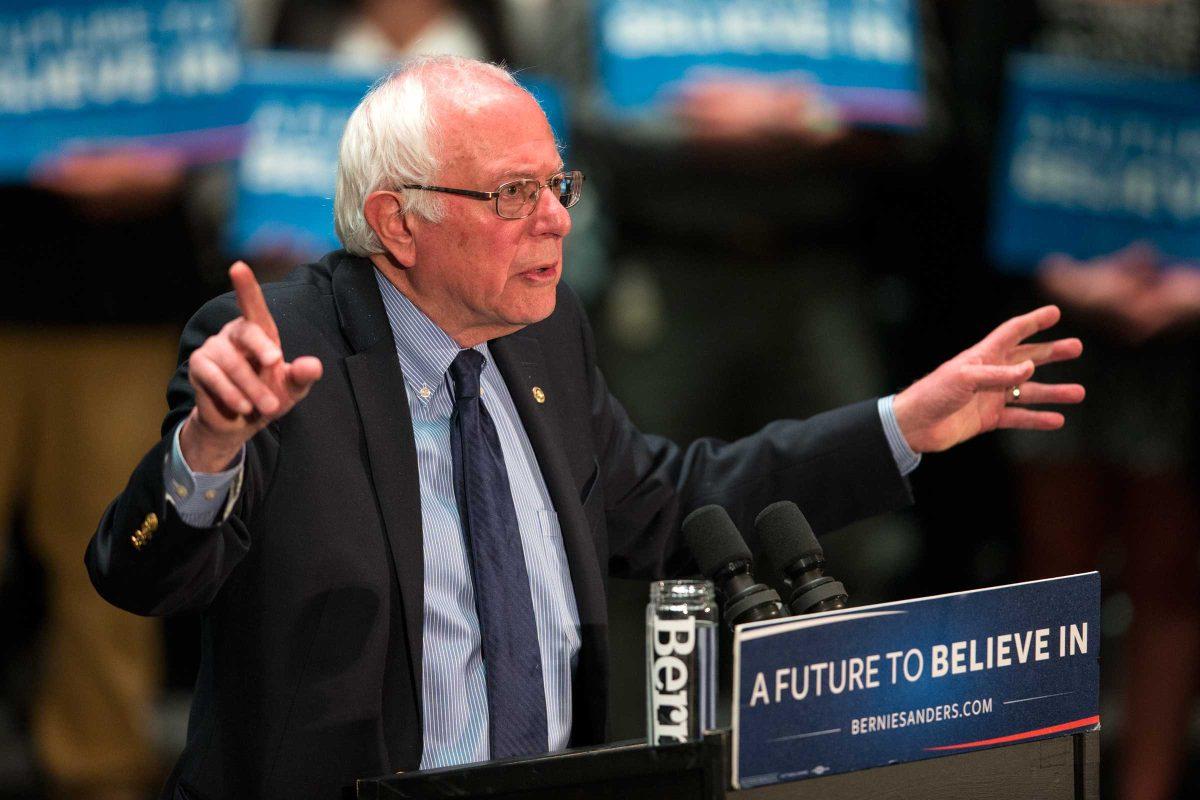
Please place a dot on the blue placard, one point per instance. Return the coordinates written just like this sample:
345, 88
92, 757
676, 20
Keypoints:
81, 74
285, 178
1092, 159
284, 195
857, 688
863, 54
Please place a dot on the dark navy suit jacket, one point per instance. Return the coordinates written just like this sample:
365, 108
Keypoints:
311, 592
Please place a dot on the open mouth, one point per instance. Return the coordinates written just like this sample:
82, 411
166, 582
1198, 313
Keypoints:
541, 273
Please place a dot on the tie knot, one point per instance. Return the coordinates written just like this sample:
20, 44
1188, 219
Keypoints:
464, 371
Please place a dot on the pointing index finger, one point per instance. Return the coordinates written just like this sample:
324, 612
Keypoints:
250, 299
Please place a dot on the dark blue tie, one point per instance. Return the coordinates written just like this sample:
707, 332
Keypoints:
511, 655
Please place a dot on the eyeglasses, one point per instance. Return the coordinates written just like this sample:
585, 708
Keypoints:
517, 199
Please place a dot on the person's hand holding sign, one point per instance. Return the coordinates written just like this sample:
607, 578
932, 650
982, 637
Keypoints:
242, 382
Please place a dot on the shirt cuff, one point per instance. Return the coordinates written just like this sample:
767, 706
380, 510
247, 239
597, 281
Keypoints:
906, 459
202, 499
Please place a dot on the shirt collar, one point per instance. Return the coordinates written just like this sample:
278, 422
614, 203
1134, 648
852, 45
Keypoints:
425, 350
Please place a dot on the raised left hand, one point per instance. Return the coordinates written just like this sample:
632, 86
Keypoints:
972, 392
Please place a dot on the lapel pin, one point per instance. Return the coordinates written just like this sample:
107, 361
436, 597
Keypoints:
538, 394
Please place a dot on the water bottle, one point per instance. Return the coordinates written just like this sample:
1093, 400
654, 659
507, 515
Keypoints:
681, 661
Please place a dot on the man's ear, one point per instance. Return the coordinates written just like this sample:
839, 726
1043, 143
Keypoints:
385, 214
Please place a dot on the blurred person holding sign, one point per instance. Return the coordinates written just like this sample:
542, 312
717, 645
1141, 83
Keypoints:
106, 112
1096, 203
82, 351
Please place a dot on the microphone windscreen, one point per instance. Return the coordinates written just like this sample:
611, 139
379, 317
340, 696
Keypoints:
713, 538
785, 534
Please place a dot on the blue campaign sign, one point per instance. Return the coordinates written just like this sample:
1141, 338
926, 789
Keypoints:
81, 74
300, 103
858, 688
1093, 158
863, 54
284, 196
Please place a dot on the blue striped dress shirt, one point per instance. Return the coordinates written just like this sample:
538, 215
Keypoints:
455, 692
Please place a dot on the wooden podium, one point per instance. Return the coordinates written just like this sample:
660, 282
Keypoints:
1063, 768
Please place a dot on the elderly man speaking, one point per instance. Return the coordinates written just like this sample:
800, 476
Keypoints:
394, 484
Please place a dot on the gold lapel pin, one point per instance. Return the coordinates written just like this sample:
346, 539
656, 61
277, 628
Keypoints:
538, 394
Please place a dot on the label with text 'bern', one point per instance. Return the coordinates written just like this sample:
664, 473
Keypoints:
866, 687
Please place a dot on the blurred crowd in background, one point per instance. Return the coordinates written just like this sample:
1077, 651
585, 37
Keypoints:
748, 250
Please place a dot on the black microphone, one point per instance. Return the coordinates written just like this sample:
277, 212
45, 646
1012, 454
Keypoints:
790, 542
723, 556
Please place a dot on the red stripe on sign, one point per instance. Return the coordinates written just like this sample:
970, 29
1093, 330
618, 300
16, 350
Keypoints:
1016, 737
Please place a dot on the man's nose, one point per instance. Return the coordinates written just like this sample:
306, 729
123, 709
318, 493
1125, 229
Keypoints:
550, 216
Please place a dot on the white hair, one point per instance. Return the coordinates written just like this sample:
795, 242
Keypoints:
389, 139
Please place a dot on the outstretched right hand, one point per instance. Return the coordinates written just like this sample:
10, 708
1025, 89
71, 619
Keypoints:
242, 382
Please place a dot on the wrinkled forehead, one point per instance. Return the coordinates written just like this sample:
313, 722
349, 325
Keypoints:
470, 93
501, 123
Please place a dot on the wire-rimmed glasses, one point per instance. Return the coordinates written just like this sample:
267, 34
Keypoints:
517, 199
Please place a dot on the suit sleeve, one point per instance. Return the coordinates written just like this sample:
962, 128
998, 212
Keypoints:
143, 557
837, 466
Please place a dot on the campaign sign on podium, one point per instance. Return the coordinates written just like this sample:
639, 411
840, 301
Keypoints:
863, 54
865, 687
77, 74
1092, 158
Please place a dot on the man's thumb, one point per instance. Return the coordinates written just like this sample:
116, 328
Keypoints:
303, 373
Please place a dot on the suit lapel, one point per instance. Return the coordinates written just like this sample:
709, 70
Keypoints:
522, 363
378, 387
